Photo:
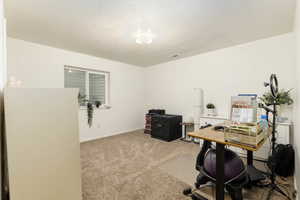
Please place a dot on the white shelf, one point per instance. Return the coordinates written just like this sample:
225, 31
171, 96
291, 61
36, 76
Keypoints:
288, 123
220, 117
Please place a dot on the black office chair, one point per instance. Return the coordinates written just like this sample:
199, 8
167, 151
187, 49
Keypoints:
234, 170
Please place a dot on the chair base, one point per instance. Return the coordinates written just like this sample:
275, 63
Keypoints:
255, 175
234, 189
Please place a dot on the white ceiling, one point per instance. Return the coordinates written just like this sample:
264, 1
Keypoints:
105, 28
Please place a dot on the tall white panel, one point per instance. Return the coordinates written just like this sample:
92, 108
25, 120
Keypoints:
43, 144
198, 107
198, 97
3, 74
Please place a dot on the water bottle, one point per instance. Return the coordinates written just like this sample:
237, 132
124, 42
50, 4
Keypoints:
264, 123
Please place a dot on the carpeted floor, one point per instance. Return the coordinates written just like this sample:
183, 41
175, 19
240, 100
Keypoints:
134, 166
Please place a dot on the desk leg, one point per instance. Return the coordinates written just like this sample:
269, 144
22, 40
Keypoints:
249, 157
220, 172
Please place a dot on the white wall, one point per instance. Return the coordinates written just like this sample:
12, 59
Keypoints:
221, 74
297, 103
39, 66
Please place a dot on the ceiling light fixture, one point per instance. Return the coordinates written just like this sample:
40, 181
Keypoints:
144, 37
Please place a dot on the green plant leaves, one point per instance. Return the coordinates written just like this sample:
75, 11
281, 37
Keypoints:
282, 98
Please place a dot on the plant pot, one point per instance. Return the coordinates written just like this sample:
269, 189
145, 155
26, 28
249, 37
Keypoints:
284, 111
211, 112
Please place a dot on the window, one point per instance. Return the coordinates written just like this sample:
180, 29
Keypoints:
92, 84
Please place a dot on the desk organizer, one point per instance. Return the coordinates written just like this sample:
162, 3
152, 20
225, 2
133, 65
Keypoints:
245, 133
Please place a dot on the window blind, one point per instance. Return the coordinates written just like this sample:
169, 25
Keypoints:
97, 87
75, 79
90, 83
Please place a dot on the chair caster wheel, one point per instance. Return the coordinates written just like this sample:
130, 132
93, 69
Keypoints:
197, 185
187, 191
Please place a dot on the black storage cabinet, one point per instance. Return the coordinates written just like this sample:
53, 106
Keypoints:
166, 127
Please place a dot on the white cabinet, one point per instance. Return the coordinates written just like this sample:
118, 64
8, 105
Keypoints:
204, 120
213, 120
43, 144
283, 136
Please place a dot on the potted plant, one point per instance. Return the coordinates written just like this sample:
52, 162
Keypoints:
283, 100
83, 101
211, 109
98, 104
90, 111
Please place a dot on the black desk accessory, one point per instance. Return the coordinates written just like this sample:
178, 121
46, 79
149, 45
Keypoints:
205, 126
219, 128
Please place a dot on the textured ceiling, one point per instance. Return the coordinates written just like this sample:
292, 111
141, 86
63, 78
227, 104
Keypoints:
186, 27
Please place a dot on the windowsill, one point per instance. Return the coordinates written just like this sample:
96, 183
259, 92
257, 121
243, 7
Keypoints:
102, 107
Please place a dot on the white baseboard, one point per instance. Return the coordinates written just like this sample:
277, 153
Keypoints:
295, 187
108, 135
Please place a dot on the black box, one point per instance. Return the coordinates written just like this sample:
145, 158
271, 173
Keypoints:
166, 127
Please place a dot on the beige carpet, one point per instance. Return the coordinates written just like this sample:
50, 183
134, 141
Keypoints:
133, 166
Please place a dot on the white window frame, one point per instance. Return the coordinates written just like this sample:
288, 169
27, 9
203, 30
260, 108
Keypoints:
87, 83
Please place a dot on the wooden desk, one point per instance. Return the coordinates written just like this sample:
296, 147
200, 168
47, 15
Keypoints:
211, 135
